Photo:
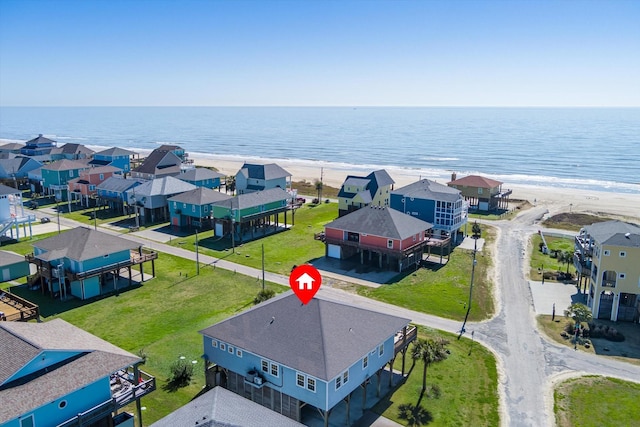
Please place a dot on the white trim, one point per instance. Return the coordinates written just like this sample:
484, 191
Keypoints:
365, 362
623, 254
214, 343
299, 377
238, 352
380, 349
313, 387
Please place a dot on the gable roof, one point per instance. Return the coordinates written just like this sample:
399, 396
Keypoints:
64, 165
119, 184
266, 172
429, 190
380, 221
199, 174
200, 196
476, 181
72, 148
11, 146
82, 243
23, 341
370, 183
40, 140
614, 233
168, 147
220, 407
333, 335
116, 151
153, 160
15, 164
10, 258
100, 169
165, 186
5, 189
381, 177
257, 198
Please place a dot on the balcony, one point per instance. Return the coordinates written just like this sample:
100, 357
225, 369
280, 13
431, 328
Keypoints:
125, 390
581, 264
404, 338
583, 245
372, 248
92, 415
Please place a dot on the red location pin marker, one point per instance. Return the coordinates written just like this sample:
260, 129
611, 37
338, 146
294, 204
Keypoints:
305, 281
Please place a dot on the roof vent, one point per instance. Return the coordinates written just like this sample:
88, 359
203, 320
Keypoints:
627, 235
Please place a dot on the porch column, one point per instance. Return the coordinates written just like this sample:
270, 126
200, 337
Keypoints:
326, 415
364, 395
391, 371
404, 353
616, 307
379, 375
361, 257
596, 303
348, 400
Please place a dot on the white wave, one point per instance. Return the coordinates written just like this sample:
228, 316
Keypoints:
439, 159
12, 141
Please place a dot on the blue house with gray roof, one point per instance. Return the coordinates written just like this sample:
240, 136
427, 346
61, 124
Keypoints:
286, 355
201, 177
194, 207
116, 157
254, 177
438, 204
55, 374
113, 191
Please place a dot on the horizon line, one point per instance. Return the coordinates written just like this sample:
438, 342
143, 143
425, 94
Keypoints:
320, 106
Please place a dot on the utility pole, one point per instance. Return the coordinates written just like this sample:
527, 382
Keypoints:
263, 266
477, 232
321, 183
58, 213
197, 255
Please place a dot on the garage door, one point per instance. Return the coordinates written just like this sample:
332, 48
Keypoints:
333, 251
218, 229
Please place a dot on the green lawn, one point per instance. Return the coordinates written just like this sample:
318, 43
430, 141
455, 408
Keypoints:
283, 250
596, 401
444, 291
462, 390
540, 260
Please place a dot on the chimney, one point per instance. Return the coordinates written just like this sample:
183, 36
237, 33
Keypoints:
453, 176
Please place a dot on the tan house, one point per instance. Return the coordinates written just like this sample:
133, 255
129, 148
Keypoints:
607, 254
482, 193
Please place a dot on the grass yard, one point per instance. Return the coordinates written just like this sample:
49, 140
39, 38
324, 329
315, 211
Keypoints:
540, 260
162, 317
444, 291
461, 390
307, 188
283, 250
572, 221
596, 401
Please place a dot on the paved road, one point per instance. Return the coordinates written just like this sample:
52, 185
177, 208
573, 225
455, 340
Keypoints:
527, 363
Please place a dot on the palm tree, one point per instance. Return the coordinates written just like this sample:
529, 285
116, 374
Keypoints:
429, 351
567, 258
318, 185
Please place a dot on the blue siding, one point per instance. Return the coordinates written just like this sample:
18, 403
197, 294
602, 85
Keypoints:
94, 263
419, 208
78, 401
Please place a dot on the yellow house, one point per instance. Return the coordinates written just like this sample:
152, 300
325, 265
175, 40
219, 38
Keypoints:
608, 253
357, 191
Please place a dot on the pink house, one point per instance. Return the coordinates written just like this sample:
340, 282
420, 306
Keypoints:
379, 235
84, 187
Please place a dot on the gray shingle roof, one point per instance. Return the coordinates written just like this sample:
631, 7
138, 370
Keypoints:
222, 408
40, 140
100, 169
72, 148
357, 181
429, 190
200, 196
116, 151
321, 338
10, 258
82, 243
199, 174
11, 146
119, 184
21, 342
382, 177
166, 186
614, 233
5, 189
65, 164
155, 158
266, 172
380, 221
258, 198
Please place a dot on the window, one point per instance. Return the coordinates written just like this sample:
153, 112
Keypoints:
339, 382
206, 208
175, 205
311, 384
92, 187
101, 177
621, 275
238, 352
390, 244
380, 349
345, 377
623, 254
184, 206
415, 237
365, 362
230, 349
223, 347
265, 366
214, 343
71, 173
479, 190
193, 208
105, 256
606, 252
62, 404
300, 380
27, 421
274, 369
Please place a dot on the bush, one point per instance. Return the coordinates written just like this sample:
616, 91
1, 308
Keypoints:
264, 295
181, 373
605, 331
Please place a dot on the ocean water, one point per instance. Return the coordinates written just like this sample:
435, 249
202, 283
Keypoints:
592, 148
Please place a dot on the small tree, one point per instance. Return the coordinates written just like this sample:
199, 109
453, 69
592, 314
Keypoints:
476, 230
429, 351
579, 313
181, 373
318, 184
264, 295
567, 258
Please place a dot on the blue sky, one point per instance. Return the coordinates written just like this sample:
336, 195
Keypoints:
312, 52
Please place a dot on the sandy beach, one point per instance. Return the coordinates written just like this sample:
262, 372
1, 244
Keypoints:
556, 200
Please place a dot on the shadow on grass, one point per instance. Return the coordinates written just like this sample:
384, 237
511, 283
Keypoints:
414, 415
173, 386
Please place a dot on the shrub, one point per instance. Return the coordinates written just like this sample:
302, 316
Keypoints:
181, 373
264, 295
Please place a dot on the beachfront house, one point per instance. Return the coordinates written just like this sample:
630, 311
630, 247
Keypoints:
84, 187
11, 148
607, 257
158, 164
432, 202
56, 177
194, 208
297, 359
116, 157
202, 177
113, 191
359, 191
377, 235
251, 215
254, 177
151, 197
71, 151
55, 374
481, 193
220, 407
85, 263
15, 171
38, 146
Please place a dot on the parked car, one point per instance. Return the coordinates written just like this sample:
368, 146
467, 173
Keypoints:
45, 219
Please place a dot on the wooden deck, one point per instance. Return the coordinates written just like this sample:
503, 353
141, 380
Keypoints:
17, 309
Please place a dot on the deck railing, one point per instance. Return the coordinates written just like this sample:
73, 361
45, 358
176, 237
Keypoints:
402, 340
